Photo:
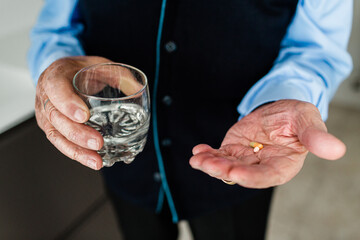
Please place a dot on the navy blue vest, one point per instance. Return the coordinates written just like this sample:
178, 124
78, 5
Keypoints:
212, 52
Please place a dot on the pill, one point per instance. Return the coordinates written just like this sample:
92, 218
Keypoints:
257, 146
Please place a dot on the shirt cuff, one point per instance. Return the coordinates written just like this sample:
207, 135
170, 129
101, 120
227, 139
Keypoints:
49, 60
265, 93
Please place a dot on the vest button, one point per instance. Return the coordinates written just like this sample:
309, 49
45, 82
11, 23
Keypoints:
167, 100
166, 142
157, 177
170, 46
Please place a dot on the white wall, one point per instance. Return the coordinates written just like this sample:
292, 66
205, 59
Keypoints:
16, 88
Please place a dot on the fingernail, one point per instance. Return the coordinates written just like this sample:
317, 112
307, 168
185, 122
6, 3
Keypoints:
80, 115
91, 164
93, 144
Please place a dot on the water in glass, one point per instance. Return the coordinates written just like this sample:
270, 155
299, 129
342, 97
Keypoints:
124, 127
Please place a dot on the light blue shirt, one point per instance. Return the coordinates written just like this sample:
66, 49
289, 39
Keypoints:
312, 62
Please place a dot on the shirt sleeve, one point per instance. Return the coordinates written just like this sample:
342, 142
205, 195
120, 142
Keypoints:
54, 35
313, 59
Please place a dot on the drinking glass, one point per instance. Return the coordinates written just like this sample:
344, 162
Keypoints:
119, 102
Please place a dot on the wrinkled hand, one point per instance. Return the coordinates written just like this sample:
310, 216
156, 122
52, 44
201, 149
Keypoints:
288, 129
60, 112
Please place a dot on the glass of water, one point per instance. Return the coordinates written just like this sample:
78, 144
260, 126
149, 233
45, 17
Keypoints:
119, 102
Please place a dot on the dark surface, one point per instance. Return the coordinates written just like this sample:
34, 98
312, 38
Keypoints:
44, 195
243, 221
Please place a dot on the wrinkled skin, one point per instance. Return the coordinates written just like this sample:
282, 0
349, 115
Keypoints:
63, 116
60, 112
288, 129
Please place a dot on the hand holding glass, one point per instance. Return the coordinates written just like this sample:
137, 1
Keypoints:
118, 98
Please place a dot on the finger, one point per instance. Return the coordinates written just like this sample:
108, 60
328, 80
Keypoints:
216, 164
77, 133
210, 164
268, 173
96, 79
275, 172
255, 176
313, 134
233, 171
84, 156
127, 82
39, 113
322, 144
201, 148
61, 94
205, 157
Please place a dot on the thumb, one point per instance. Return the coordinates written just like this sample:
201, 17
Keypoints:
61, 94
321, 143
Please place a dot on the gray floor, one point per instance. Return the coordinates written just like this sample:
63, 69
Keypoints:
47, 197
323, 201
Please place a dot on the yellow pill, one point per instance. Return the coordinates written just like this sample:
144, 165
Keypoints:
257, 146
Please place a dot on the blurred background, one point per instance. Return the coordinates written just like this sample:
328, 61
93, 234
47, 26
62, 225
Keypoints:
47, 196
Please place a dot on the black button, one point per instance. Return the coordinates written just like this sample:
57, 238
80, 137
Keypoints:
167, 100
170, 46
157, 177
166, 142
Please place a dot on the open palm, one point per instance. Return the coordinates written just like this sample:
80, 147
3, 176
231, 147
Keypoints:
288, 129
